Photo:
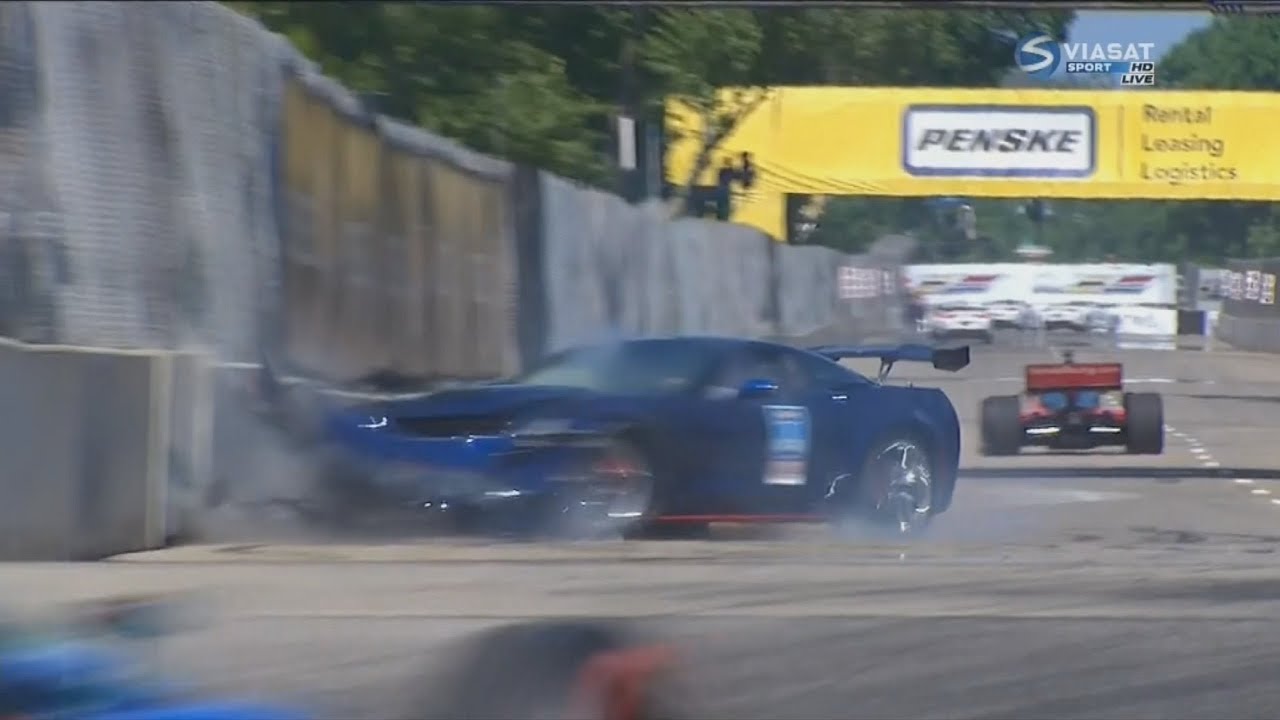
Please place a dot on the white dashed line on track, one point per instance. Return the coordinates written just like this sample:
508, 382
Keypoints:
1207, 461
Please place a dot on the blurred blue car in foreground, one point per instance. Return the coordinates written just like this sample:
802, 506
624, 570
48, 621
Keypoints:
650, 435
82, 671
521, 671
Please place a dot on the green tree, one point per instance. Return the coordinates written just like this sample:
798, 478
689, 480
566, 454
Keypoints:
475, 74
707, 59
1232, 53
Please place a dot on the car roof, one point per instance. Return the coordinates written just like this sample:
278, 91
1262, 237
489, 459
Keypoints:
717, 343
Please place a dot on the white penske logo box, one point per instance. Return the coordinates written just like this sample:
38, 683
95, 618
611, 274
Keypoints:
999, 141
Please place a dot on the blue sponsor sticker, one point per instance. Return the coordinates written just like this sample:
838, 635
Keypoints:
786, 445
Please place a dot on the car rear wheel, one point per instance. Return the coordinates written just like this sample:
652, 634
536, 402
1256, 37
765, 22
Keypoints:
895, 489
1144, 416
1001, 426
557, 669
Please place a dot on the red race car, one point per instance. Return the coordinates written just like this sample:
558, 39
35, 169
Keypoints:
1073, 406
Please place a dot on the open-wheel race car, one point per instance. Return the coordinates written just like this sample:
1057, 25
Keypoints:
1074, 406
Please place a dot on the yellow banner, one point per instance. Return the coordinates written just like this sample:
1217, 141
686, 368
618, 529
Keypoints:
923, 142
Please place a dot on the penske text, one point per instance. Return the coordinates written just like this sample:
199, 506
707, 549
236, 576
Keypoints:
987, 141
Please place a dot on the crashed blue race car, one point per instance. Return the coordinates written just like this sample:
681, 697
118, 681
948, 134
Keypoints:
658, 435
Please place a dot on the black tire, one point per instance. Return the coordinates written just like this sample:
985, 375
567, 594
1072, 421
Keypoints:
535, 670
1144, 416
1001, 426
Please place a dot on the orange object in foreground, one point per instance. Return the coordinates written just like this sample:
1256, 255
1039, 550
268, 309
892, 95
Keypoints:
613, 684
1085, 376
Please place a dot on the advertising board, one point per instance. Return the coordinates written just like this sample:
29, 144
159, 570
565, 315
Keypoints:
1249, 288
1044, 284
1005, 143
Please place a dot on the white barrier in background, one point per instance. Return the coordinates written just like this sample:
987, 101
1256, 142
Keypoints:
1043, 284
1146, 321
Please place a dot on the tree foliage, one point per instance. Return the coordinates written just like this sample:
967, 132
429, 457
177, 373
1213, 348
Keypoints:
541, 85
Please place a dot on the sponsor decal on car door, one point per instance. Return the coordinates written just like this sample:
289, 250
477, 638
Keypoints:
786, 444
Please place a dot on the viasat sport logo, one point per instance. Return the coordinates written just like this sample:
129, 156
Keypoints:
1038, 55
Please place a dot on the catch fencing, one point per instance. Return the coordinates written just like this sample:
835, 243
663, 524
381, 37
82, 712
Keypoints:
178, 182
406, 255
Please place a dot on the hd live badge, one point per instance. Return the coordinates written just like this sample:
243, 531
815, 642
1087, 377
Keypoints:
786, 444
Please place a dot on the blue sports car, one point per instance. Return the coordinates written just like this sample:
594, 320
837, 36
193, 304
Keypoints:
659, 435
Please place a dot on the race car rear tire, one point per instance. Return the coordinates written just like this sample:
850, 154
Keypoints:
1001, 426
1144, 415
560, 668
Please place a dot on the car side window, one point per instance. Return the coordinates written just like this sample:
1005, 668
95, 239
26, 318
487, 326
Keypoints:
817, 373
751, 364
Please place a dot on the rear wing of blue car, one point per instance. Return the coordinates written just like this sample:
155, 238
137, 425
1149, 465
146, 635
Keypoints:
948, 359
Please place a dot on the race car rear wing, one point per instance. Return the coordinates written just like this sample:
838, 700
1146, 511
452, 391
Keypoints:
949, 359
1085, 376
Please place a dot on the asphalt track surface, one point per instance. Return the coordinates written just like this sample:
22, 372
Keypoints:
1058, 586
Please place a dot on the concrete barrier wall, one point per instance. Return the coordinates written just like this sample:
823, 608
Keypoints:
88, 449
608, 269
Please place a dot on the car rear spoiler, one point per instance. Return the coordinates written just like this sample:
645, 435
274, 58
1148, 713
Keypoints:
949, 359
1082, 376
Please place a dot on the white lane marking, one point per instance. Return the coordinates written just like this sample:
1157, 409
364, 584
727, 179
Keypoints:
1031, 497
1243, 481
1275, 501
1096, 496
1212, 464
1260, 491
